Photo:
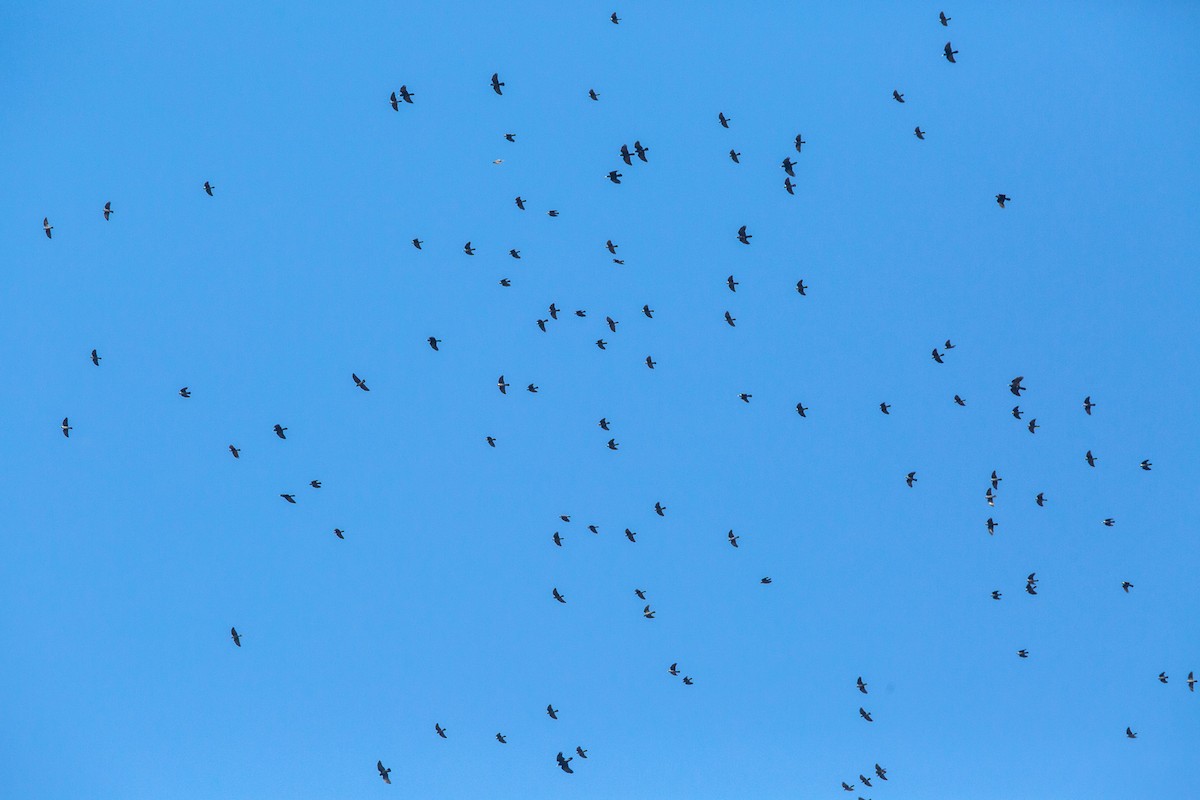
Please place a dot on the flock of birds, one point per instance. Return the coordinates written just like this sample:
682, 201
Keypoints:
640, 152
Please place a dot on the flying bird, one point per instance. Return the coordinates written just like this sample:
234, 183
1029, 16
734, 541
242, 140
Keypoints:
724, 120
862, 687
788, 166
911, 479
417, 243
1033, 426
1130, 734
990, 496
95, 358
1023, 654
648, 311
800, 287
949, 53
208, 187
338, 532
674, 670
881, 772
897, 96
237, 637
551, 711
687, 681
433, 342
1015, 386
949, 345
500, 738
558, 540
862, 712
800, 409
541, 323
1126, 585
47, 227
1191, 682
235, 451
1146, 465
520, 201
612, 324
612, 444
559, 597
468, 249
848, 787
612, 248
1040, 499
991, 526
565, 764
315, 484
107, 210
744, 237
659, 509
1108, 523
439, 730
291, 498
279, 429
647, 613
650, 362
592, 94
800, 142
733, 540
884, 408
920, 134
744, 397
959, 400
943, 18
937, 356
601, 344
185, 392
641, 151
765, 581
1001, 199
406, 95
614, 176
734, 154
383, 771
615, 19
625, 155
1088, 405
531, 388
1091, 459
512, 137
359, 382
631, 535
641, 594
731, 283
729, 318
996, 595
996, 480
789, 186
491, 440
581, 752
505, 282
603, 423
1016, 412
497, 83
502, 385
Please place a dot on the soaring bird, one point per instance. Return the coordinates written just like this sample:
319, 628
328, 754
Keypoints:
729, 318
641, 594
417, 243
612, 324
360, 383
920, 134
744, 397
47, 227
565, 764
603, 423
558, 539
383, 771
801, 408
911, 479
734, 155
553, 311
279, 429
659, 509
950, 54
800, 287
1146, 465
1109, 522
338, 532
95, 358
491, 440
532, 388
862, 687
395, 101
991, 526
612, 444
520, 201
641, 151
625, 155
236, 452
594, 528
648, 311
315, 484
848, 787
731, 283
291, 498
1033, 426
505, 282
959, 400
107, 210
1130, 734
733, 540
497, 83
631, 535
614, 176
579, 751
1023, 654
687, 681
512, 137
990, 496
996, 595
1126, 585
559, 597
601, 344
862, 712
881, 772
937, 356
789, 186
1040, 499
552, 711
724, 120
502, 385
500, 738
744, 237
433, 342
1191, 682
468, 249
592, 94
897, 96
1088, 405
650, 362
612, 248
1001, 199
439, 730
208, 187
1015, 386
765, 581
615, 19
800, 142
185, 392
406, 95
884, 408
1091, 459
943, 18
674, 670
1016, 412
541, 323
552, 213
949, 345
996, 480
865, 780
647, 613
789, 166
237, 637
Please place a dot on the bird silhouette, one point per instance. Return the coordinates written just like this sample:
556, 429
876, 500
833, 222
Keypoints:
559, 597
897, 96
862, 687
744, 237
185, 392
949, 53
733, 540
1001, 199
724, 120
291, 498
497, 83
383, 771
920, 134
208, 188
95, 358
734, 155
614, 176
565, 764
237, 637
592, 94
551, 711
279, 429
433, 343
236, 452
943, 18
107, 210
439, 730
500, 384
911, 479
884, 408
862, 712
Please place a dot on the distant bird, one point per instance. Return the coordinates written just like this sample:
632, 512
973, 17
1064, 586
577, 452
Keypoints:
733, 154
648, 311
884, 408
531, 388
881, 772
185, 392
731, 283
625, 155
592, 94
659, 508
1091, 459
862, 687
1015, 386
580, 313
991, 526
724, 120
505, 282
614, 176
920, 134
497, 83
631, 535
729, 318
733, 540
862, 712
433, 342
338, 532
687, 681
601, 344
1109, 522
612, 248
640, 593
315, 484
291, 498
47, 227
943, 18
765, 581
594, 528
800, 287
551, 711
800, 142
996, 480
553, 310
1126, 585
1033, 426
1088, 405
502, 385
911, 479
897, 96
1040, 499
1191, 682
789, 166
744, 237
996, 595
959, 400
950, 54
95, 358
468, 249
395, 101
360, 383
512, 137
1016, 412
674, 670
1146, 465
847, 787
417, 243
66, 428
541, 323
279, 429
1130, 734
1023, 654
208, 187
800, 409
552, 213
235, 451
558, 540
1001, 199
612, 444
500, 738
615, 19
949, 345
864, 779
439, 730
650, 362
1031, 588
641, 151
647, 613
990, 496
603, 423
789, 186
491, 440
383, 772
579, 751
520, 201
559, 597
565, 764
937, 356
745, 398
237, 637
107, 210
612, 324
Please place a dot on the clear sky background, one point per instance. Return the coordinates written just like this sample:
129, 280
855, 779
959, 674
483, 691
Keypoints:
131, 548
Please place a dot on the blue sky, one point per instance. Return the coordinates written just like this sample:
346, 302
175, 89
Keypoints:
132, 547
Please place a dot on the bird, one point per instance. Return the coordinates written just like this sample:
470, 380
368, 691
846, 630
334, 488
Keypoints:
497, 83
1191, 682
991, 497
625, 155
959, 400
937, 356
395, 101
615, 19
631, 535
765, 581
107, 210
647, 613
279, 429
531, 388
641, 593
601, 344
558, 540
1109, 522
862, 687
580, 313
800, 409
500, 738
603, 423
884, 408
185, 392
612, 444
505, 282
949, 53
512, 137
553, 310
943, 18
612, 324
996, 480
592, 94
724, 120
1126, 585
674, 669
996, 595
949, 345
848, 787
648, 311
1091, 459
1031, 579
789, 186
1015, 386
491, 440
237, 637
594, 528
47, 227
641, 151
1130, 734
744, 237
734, 154
433, 342
800, 142
612, 248
315, 484
920, 134
580, 752
660, 509
338, 532
897, 96
383, 771
1088, 405
1033, 426
1023, 654
551, 711
541, 323
468, 249
520, 201
1001, 199
614, 176
745, 398
235, 451
881, 772
439, 730
687, 681
1016, 412
1031, 588
359, 382
862, 712
788, 166
733, 540
1146, 465
911, 479
650, 362
291, 498
800, 287
502, 385
864, 779
406, 95
1040, 499
565, 764
731, 283
95, 358
552, 213
559, 597
729, 318
208, 187
417, 243
991, 526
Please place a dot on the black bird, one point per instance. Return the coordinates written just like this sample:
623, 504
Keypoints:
1041, 499
531, 388
338, 532
991, 526
650, 362
1109, 522
505, 282
744, 237
515, 253
996, 480
541, 323
641, 151
520, 201
949, 346
433, 342
581, 752
730, 319
1191, 682
733, 540
687, 681
558, 540
899, 98
235, 451
884, 408
592, 94
631, 535
406, 95
626, 156
674, 670
862, 712
553, 311
468, 249
612, 444
788, 166
552, 711
66, 428
291, 498
744, 397
512, 137
359, 382
612, 248
640, 593
315, 484
1033, 426
500, 738
865, 780
185, 392
911, 479
862, 687
491, 440
731, 283
565, 764
601, 344
615, 21
937, 356
614, 176
1030, 588
552, 213
208, 187
647, 613
991, 497
1130, 734
439, 730
417, 243
107, 210
395, 101
1146, 465
659, 508
1015, 386
603, 423
580, 313
847, 787
1023, 654
502, 385
594, 529
733, 154
237, 637
648, 311
800, 142
95, 358
996, 595
800, 287
944, 19
1001, 199
383, 773
279, 429
1126, 585
800, 409
1091, 459
724, 120
497, 83
881, 772
1016, 412
959, 400
765, 581
920, 134
1088, 405
949, 53
789, 186
559, 597
612, 324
